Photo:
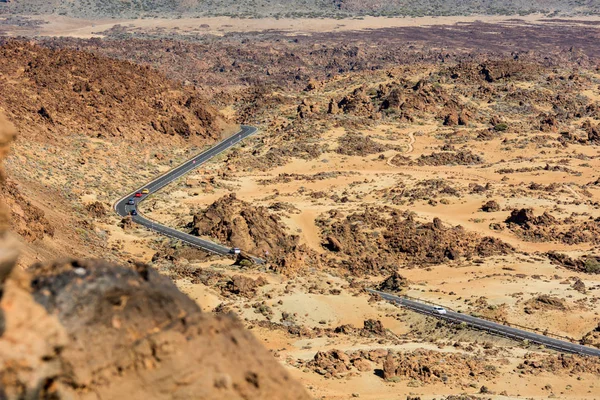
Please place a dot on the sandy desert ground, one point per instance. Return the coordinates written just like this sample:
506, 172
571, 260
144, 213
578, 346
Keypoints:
55, 25
469, 178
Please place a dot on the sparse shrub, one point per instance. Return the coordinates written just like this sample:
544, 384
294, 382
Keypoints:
501, 127
592, 266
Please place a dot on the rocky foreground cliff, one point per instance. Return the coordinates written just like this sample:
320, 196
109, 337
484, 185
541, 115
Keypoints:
91, 329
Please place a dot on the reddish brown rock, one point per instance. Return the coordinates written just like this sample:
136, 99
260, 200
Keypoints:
96, 209
243, 286
451, 119
374, 326
394, 283
490, 206
333, 108
389, 367
362, 365
244, 226
333, 244
133, 325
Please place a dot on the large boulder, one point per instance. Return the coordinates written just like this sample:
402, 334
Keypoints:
242, 225
133, 334
394, 283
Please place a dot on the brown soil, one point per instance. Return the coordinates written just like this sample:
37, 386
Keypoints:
120, 329
393, 238
243, 226
546, 227
103, 97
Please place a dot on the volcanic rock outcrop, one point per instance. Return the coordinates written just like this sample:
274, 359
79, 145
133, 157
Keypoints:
377, 240
490, 206
238, 223
128, 326
562, 363
431, 366
463, 157
358, 145
547, 227
357, 103
592, 338
57, 89
394, 283
73, 329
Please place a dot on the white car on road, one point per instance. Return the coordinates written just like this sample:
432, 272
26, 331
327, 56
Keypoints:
439, 310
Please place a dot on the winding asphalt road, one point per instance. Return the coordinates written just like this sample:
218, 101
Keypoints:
492, 327
123, 208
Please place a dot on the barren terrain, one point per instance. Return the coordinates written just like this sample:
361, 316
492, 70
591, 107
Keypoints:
472, 180
459, 172
59, 25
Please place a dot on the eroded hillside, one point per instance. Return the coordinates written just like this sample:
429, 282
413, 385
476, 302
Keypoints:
136, 335
459, 172
89, 127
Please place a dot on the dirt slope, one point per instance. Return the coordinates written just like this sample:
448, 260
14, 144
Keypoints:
89, 127
132, 332
71, 330
71, 92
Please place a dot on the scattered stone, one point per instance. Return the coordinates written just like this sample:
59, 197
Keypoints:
490, 206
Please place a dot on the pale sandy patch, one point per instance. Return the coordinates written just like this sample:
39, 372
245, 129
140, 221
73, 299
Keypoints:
85, 28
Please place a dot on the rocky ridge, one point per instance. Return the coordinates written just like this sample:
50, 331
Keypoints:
401, 239
72, 328
103, 97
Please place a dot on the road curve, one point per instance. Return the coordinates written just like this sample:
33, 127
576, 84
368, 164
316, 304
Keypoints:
122, 207
492, 327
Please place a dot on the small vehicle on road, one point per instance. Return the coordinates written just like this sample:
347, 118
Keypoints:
133, 212
131, 202
235, 250
146, 191
439, 310
138, 194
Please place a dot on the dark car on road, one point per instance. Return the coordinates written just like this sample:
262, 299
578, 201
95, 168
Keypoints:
131, 202
133, 212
